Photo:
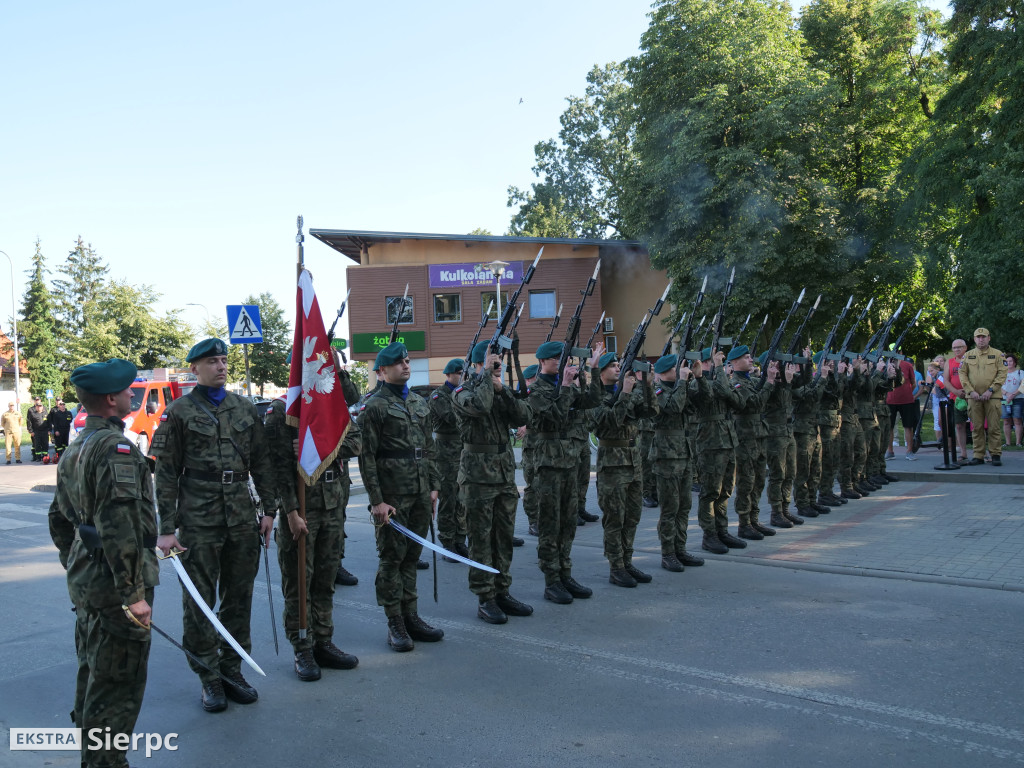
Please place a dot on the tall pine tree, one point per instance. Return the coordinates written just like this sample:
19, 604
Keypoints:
38, 329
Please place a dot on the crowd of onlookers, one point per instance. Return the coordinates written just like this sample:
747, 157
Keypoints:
941, 381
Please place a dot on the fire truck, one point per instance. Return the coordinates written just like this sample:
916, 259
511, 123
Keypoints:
152, 392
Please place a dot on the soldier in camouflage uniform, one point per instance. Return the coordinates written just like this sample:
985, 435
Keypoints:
645, 439
828, 428
882, 384
399, 468
209, 443
806, 396
751, 441
556, 456
849, 429
323, 528
619, 468
781, 450
579, 432
531, 501
670, 457
451, 513
351, 392
104, 525
486, 410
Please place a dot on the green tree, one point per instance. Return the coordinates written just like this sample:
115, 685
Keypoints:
583, 173
37, 328
77, 301
969, 176
726, 112
268, 360
884, 71
481, 232
360, 374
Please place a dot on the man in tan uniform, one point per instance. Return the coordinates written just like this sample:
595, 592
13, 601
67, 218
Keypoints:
11, 422
982, 374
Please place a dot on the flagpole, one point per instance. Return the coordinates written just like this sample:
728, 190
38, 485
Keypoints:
300, 483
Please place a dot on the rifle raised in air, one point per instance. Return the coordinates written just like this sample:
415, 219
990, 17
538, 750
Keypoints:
572, 328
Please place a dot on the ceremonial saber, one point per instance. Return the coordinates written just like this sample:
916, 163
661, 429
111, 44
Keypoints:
175, 643
437, 548
221, 629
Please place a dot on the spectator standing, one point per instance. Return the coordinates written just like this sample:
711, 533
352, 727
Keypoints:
934, 379
902, 403
982, 374
11, 422
1013, 402
38, 430
951, 373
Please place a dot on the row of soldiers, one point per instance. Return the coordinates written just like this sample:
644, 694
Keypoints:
712, 423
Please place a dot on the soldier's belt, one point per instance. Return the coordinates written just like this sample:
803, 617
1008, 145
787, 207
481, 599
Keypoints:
552, 435
224, 477
616, 443
415, 454
90, 537
453, 436
476, 448
716, 417
330, 476
670, 432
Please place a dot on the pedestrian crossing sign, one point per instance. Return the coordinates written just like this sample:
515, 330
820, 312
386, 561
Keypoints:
244, 324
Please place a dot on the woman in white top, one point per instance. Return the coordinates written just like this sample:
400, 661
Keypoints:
933, 377
1013, 400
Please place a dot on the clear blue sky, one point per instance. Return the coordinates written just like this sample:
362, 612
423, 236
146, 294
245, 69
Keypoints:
182, 140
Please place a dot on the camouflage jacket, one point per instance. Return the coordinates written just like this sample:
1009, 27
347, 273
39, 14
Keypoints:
447, 438
197, 441
553, 422
748, 419
848, 405
617, 425
398, 455
328, 491
103, 481
714, 400
485, 417
828, 405
669, 450
806, 392
778, 411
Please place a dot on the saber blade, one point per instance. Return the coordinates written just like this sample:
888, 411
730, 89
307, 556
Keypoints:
438, 548
208, 612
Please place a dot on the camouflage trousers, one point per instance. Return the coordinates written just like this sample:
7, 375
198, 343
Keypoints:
620, 496
451, 513
716, 470
323, 553
781, 470
808, 468
556, 522
491, 519
531, 499
113, 657
396, 572
675, 492
884, 436
583, 464
645, 440
829, 458
874, 463
222, 562
751, 461
848, 452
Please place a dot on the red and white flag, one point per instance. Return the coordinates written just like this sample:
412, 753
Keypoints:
315, 403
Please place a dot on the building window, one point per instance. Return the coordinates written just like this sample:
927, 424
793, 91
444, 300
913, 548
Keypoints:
487, 297
393, 304
447, 308
611, 344
542, 304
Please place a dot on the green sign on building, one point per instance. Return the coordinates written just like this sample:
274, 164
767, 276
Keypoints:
372, 343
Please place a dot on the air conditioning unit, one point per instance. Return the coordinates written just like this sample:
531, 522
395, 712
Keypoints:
609, 325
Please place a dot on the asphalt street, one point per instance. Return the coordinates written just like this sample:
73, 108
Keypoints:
886, 633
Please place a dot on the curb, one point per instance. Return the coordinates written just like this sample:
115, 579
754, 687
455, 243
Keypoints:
959, 476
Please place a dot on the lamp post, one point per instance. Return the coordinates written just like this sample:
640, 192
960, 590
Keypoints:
193, 304
14, 340
498, 267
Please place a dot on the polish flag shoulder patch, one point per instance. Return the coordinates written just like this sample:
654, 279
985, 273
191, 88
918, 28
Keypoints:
124, 448
163, 417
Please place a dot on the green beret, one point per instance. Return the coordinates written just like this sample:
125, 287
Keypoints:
455, 365
395, 352
479, 352
206, 348
817, 356
530, 371
737, 352
606, 359
104, 378
705, 354
665, 363
762, 358
549, 349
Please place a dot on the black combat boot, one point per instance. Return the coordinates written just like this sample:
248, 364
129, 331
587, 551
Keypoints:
213, 696
806, 512
305, 665
398, 636
712, 544
747, 531
690, 561
238, 689
756, 524
640, 576
849, 493
576, 589
420, 631
588, 516
779, 520
327, 654
345, 578
828, 500
490, 612
511, 606
620, 577
556, 592
794, 519
731, 541
671, 563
